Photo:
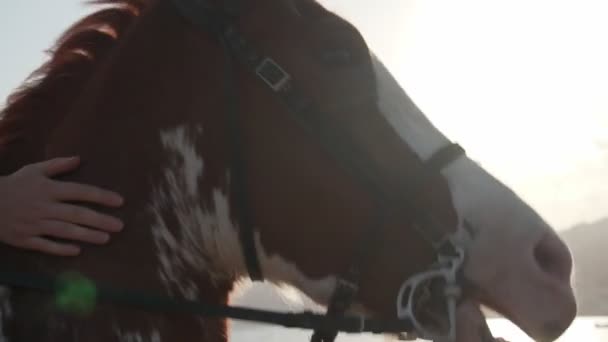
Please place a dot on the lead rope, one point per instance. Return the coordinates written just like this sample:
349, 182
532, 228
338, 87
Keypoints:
78, 295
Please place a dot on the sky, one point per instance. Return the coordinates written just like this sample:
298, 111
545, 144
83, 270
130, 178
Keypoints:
520, 84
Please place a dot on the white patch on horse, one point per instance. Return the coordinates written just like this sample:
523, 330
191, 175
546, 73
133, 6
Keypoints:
6, 311
282, 272
204, 240
137, 336
471, 185
190, 164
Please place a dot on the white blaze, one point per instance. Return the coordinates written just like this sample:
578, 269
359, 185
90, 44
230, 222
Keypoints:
498, 215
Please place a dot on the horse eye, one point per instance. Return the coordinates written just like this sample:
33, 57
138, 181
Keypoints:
339, 57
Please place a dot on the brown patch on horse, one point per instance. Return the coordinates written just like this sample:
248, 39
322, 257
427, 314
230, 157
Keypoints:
33, 110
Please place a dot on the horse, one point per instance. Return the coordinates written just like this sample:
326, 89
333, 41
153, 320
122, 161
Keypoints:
264, 140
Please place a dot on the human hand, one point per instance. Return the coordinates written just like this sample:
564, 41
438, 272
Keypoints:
33, 208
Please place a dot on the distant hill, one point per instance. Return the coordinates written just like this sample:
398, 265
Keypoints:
589, 245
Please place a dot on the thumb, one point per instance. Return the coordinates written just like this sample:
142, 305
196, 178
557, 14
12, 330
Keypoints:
57, 166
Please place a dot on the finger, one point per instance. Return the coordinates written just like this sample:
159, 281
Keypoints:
57, 166
85, 193
85, 217
69, 231
50, 247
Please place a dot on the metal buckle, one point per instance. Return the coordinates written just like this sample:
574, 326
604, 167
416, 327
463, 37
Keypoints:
452, 291
272, 74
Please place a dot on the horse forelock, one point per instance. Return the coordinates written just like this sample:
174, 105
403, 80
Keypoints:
47, 94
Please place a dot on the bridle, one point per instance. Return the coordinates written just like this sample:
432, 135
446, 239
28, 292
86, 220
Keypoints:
221, 24
449, 248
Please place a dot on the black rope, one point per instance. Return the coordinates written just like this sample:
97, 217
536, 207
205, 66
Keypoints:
164, 304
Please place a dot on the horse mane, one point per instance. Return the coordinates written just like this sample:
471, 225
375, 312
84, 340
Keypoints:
35, 108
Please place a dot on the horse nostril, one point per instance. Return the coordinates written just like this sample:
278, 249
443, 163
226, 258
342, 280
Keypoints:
553, 257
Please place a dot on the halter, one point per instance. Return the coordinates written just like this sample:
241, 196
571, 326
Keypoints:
220, 22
